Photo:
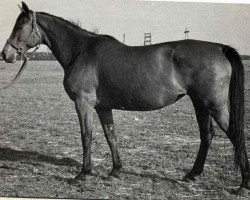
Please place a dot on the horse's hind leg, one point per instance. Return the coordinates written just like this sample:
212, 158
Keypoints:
221, 116
206, 136
106, 119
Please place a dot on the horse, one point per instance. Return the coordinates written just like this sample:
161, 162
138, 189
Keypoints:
102, 74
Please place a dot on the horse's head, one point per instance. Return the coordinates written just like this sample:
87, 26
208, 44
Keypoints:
25, 35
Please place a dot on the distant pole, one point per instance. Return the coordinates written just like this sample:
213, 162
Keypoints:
123, 38
147, 39
186, 34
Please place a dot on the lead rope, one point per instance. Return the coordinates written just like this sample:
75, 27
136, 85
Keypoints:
18, 74
25, 62
34, 29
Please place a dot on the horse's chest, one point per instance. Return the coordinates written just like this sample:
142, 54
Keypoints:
78, 83
69, 87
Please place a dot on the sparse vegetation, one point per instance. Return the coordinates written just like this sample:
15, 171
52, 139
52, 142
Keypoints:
40, 146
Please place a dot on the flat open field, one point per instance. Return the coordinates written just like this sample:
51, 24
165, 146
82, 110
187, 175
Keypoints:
40, 145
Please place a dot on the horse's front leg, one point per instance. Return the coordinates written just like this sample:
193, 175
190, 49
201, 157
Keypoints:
106, 119
84, 111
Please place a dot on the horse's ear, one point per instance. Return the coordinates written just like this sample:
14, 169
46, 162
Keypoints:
25, 9
20, 7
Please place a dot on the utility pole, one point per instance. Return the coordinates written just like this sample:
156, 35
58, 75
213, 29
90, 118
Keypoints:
123, 38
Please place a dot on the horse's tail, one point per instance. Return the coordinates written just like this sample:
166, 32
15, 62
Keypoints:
237, 108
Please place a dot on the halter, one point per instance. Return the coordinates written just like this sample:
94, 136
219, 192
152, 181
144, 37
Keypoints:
34, 30
19, 49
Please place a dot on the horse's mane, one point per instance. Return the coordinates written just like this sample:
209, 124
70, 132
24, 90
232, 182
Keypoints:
76, 24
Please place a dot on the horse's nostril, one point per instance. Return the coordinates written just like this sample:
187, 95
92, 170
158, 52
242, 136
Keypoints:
3, 55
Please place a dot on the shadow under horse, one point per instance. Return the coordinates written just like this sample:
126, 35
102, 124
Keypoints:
103, 74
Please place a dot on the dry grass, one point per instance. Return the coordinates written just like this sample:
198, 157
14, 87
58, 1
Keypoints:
40, 148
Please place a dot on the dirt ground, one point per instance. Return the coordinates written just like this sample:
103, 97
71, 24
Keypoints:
40, 147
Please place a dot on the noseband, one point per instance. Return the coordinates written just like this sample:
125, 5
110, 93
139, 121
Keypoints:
34, 30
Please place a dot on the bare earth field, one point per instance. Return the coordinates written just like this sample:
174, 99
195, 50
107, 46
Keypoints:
40, 146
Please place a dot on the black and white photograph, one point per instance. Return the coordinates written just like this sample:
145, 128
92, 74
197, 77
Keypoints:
125, 99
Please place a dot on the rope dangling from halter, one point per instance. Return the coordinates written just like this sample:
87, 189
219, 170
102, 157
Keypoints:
19, 50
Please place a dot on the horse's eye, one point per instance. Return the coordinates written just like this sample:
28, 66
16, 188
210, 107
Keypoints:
19, 25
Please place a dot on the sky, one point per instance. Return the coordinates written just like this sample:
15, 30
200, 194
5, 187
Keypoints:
223, 23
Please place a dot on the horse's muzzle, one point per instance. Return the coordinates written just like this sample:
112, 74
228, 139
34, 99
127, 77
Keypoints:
9, 54
9, 59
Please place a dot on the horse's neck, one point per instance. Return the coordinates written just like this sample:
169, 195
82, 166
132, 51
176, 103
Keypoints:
63, 40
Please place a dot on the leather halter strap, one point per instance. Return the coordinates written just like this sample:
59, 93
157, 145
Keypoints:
34, 30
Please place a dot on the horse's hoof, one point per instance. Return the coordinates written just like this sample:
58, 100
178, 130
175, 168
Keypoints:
115, 174
112, 179
188, 179
241, 192
74, 181
81, 177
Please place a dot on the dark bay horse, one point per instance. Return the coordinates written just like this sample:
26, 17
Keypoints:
103, 74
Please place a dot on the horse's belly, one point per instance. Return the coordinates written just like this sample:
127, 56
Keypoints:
139, 100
